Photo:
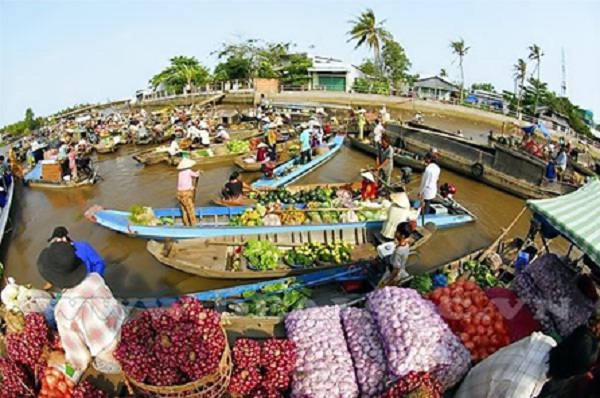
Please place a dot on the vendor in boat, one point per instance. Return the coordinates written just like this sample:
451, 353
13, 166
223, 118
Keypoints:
234, 189
186, 191
561, 161
305, 148
378, 134
399, 212
400, 255
361, 121
368, 190
174, 149
83, 250
385, 161
87, 315
272, 144
222, 135
262, 150
429, 182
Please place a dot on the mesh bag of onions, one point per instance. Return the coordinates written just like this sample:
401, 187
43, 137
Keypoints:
324, 366
416, 338
172, 347
366, 349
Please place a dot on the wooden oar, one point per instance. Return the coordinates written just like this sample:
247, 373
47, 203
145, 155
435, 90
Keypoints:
490, 249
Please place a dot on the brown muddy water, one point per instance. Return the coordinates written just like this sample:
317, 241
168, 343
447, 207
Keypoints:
132, 272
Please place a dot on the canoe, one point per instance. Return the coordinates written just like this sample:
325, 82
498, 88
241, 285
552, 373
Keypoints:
289, 172
152, 156
33, 179
213, 257
103, 149
213, 222
5, 212
403, 158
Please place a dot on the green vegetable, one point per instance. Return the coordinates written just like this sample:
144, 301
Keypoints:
262, 254
421, 283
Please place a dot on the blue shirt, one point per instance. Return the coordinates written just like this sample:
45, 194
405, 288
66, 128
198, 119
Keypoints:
561, 159
305, 140
91, 258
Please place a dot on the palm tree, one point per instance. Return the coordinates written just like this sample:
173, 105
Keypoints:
443, 73
520, 69
536, 54
459, 48
367, 31
183, 71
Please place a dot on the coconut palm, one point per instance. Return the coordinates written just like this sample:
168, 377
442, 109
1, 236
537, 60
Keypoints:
536, 54
460, 49
182, 71
443, 73
520, 69
367, 31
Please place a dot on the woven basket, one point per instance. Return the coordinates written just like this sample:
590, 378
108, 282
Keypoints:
211, 386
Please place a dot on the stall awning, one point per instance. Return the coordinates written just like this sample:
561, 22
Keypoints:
576, 216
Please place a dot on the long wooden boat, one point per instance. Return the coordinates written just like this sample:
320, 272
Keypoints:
290, 171
152, 156
104, 149
5, 212
214, 222
33, 179
214, 257
499, 167
402, 158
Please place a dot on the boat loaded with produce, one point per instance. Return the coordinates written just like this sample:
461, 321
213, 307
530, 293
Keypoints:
339, 212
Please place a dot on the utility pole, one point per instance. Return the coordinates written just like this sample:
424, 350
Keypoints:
563, 84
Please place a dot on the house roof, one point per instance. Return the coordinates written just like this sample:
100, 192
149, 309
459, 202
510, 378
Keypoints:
539, 112
437, 83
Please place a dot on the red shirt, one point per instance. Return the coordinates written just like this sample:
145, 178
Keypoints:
368, 190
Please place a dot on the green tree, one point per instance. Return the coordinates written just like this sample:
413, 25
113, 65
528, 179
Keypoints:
536, 54
460, 49
395, 63
520, 72
367, 31
234, 68
443, 73
182, 71
30, 121
483, 86
295, 72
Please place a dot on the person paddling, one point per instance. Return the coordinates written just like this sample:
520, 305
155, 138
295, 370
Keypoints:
186, 189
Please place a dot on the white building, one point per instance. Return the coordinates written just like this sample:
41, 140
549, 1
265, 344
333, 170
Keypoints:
331, 74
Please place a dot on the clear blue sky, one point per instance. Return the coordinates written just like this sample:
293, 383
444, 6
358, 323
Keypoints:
54, 54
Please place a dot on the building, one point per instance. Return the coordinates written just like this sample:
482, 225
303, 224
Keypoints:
435, 88
331, 74
487, 99
553, 120
588, 117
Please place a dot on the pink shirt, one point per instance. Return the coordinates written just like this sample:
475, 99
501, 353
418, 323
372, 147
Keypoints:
184, 182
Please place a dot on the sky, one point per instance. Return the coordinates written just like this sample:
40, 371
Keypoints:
54, 54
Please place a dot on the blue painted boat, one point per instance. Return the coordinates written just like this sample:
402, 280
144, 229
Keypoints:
213, 222
345, 273
284, 175
34, 179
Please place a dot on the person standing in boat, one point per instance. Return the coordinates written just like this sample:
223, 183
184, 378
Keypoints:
305, 148
429, 182
174, 149
561, 161
378, 134
361, 121
272, 143
186, 191
385, 161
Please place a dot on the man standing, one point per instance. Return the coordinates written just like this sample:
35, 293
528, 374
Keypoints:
305, 149
83, 250
361, 121
385, 160
378, 133
561, 161
429, 181
186, 189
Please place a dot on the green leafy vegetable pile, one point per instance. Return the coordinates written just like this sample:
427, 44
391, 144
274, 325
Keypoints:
262, 254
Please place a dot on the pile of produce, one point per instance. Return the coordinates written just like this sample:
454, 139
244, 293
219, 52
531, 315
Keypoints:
549, 289
283, 195
238, 146
15, 380
414, 385
367, 351
250, 217
203, 153
262, 372
262, 254
324, 367
31, 346
472, 317
415, 337
372, 215
172, 347
55, 384
292, 216
421, 283
273, 301
305, 256
143, 215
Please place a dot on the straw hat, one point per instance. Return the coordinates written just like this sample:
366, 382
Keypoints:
186, 163
368, 175
400, 199
220, 127
262, 145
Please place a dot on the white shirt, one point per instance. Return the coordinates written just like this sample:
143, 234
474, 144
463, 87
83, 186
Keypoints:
204, 137
193, 132
378, 133
173, 148
203, 125
223, 134
429, 181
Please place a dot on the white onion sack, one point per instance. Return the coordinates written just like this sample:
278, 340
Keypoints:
416, 338
324, 367
367, 351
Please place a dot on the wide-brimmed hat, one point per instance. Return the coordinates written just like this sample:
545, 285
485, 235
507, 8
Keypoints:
262, 145
220, 128
186, 163
400, 199
368, 175
59, 265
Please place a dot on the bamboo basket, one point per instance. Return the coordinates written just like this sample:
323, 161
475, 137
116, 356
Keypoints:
211, 386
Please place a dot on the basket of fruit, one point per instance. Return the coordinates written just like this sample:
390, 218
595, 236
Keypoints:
261, 255
303, 256
176, 353
334, 253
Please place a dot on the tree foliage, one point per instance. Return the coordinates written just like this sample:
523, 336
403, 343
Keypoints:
26, 126
367, 31
460, 49
182, 71
391, 73
483, 86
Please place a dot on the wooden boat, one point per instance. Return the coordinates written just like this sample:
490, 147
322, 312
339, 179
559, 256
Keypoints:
213, 257
152, 156
34, 179
255, 167
402, 158
5, 212
104, 149
499, 167
290, 171
214, 222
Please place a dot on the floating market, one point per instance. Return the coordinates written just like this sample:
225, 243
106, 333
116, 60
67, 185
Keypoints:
287, 225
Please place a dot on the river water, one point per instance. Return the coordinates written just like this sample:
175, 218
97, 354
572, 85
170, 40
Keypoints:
133, 272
